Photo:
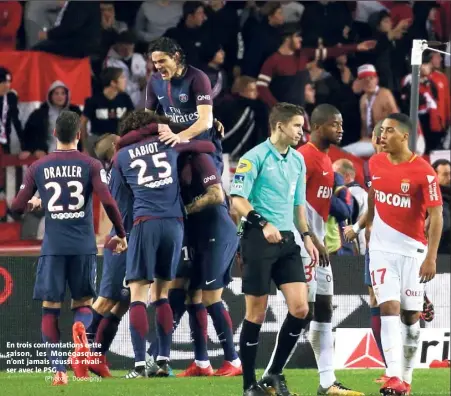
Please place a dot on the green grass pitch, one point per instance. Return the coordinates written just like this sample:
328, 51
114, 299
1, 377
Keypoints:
427, 382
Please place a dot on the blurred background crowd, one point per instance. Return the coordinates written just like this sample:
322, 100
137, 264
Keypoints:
354, 55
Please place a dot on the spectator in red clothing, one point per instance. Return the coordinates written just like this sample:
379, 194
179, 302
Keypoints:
428, 113
10, 20
441, 82
281, 78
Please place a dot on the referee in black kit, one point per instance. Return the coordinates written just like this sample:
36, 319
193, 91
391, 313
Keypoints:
268, 190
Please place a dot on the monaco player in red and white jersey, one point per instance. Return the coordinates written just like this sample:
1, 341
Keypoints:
404, 190
327, 129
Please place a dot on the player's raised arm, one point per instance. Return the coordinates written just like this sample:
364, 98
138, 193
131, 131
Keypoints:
137, 135
99, 183
26, 191
214, 195
196, 146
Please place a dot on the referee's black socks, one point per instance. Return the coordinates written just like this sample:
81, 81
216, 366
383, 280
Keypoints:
285, 343
248, 351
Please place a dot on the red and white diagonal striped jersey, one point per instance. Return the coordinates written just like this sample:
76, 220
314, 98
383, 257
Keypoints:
319, 187
403, 192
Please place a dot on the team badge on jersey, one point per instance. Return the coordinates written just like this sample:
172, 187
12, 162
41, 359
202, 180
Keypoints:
183, 98
244, 166
405, 185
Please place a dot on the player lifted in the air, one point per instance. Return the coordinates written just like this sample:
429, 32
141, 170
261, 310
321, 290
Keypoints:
149, 168
183, 94
402, 259
65, 180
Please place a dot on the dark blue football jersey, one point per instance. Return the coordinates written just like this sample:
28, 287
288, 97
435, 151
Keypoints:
149, 168
65, 181
123, 197
213, 222
178, 99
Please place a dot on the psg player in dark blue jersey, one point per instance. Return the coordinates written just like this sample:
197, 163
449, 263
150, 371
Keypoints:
65, 180
114, 297
149, 168
213, 239
183, 94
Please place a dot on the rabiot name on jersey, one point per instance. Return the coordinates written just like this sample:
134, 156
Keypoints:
139, 151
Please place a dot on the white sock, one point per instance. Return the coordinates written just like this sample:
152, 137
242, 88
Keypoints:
322, 341
162, 358
236, 362
392, 345
410, 340
202, 363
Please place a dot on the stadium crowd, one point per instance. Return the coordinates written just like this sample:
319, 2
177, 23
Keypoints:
255, 54
217, 71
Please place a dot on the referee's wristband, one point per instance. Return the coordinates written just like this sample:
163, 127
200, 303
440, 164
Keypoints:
356, 228
256, 220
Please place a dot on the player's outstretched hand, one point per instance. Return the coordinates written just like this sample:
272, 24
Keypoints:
311, 250
427, 270
164, 128
349, 233
121, 244
271, 233
34, 204
170, 138
219, 127
366, 45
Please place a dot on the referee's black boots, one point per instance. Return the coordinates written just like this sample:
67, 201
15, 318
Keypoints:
257, 390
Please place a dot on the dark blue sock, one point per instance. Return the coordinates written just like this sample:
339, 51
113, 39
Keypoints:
92, 330
177, 302
83, 315
153, 347
51, 335
223, 326
139, 327
198, 323
164, 322
376, 328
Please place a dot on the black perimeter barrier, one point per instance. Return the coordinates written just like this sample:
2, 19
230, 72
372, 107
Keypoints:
20, 316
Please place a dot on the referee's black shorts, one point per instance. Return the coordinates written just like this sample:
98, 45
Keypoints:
263, 261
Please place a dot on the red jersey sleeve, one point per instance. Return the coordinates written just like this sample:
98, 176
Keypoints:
206, 169
430, 187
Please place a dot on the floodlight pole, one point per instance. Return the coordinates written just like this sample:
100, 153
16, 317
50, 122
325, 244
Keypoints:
416, 59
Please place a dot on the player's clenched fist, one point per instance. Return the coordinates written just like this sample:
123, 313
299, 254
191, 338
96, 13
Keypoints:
427, 270
34, 204
121, 244
271, 233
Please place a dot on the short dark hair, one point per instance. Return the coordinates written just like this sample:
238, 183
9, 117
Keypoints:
110, 74
270, 8
138, 119
403, 120
190, 7
67, 126
440, 162
289, 29
284, 112
323, 113
126, 37
168, 46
